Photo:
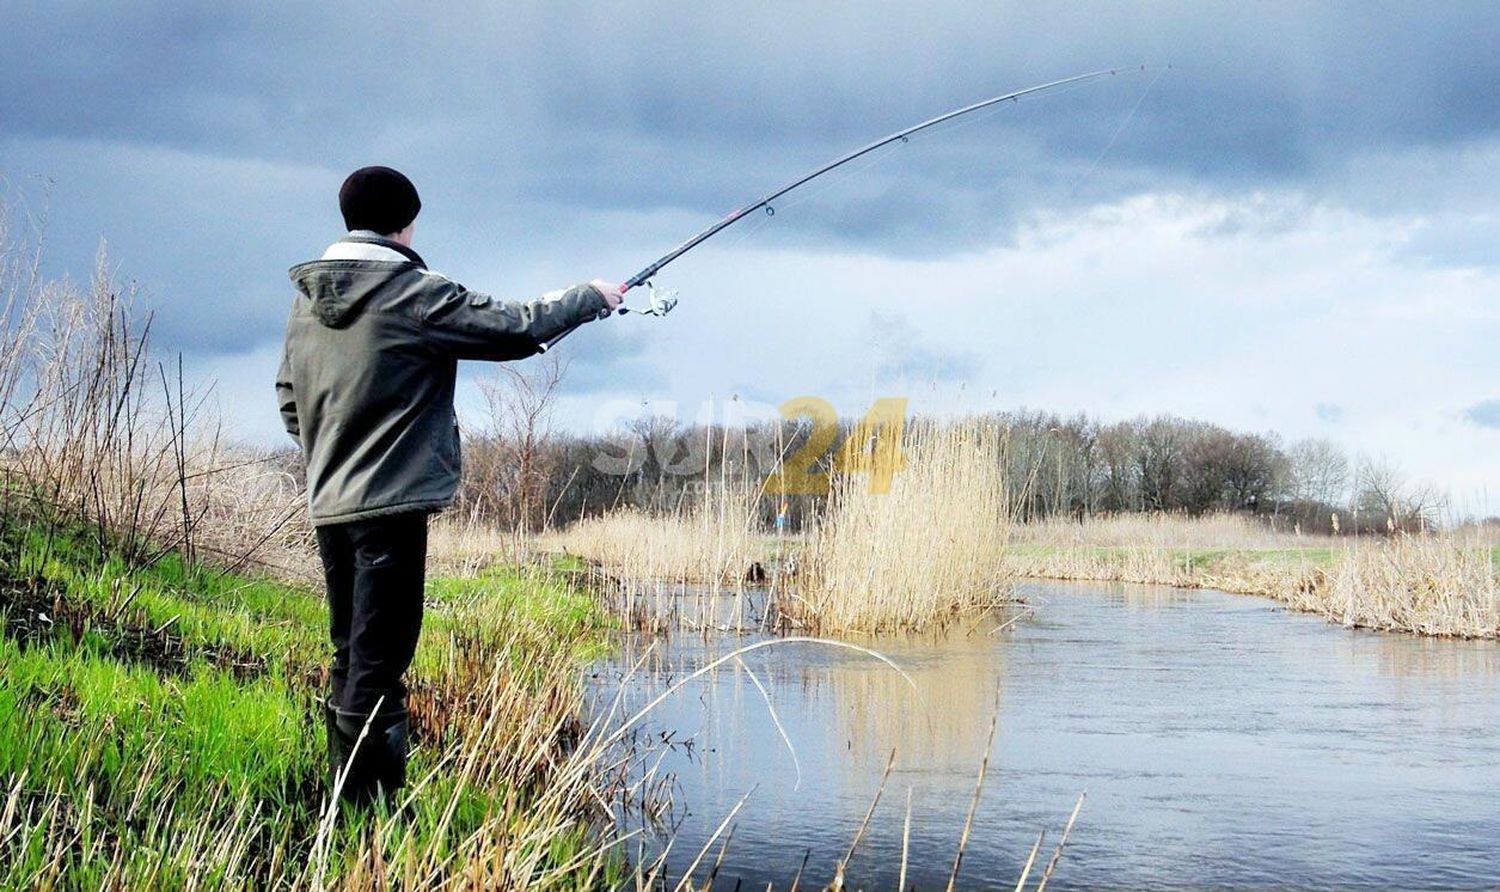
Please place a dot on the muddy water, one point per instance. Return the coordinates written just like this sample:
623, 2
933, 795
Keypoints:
1220, 740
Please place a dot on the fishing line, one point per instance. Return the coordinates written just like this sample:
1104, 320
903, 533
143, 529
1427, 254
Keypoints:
1114, 137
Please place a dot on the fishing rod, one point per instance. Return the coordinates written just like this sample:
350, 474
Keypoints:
662, 302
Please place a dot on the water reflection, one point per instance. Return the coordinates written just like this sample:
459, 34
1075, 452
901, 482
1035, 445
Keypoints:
1223, 741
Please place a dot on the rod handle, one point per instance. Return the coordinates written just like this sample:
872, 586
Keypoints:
605, 313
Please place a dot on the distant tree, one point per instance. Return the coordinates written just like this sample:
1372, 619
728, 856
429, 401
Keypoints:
1160, 453
1387, 502
514, 475
1253, 472
1319, 473
1120, 484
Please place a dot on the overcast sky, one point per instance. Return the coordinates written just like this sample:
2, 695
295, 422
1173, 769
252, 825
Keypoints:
1293, 230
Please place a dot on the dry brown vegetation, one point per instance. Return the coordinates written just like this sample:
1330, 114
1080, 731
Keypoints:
932, 547
673, 568
96, 430
929, 549
1428, 583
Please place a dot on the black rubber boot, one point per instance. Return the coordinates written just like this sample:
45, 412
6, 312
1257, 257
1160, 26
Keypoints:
376, 764
339, 747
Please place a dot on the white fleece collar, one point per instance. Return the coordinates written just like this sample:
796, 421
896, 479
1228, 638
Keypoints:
345, 250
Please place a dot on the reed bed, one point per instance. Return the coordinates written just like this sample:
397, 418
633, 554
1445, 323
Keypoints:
689, 568
930, 548
1432, 583
1428, 584
1161, 530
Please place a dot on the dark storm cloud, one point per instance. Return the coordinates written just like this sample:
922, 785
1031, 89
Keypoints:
206, 140
641, 103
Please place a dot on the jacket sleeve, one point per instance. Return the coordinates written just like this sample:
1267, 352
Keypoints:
286, 398
472, 325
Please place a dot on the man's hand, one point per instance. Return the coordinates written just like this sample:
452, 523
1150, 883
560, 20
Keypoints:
613, 296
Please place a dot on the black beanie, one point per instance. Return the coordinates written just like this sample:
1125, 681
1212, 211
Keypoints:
379, 199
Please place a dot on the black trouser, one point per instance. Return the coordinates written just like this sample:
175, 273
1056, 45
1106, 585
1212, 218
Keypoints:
375, 570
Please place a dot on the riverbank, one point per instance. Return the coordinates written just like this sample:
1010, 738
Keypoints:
1437, 584
159, 728
1434, 584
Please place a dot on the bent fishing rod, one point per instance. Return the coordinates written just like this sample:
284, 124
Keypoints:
662, 302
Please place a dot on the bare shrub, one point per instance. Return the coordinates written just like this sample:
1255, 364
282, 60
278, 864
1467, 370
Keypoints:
1385, 502
95, 431
509, 466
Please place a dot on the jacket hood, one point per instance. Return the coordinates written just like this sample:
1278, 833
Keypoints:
339, 289
351, 271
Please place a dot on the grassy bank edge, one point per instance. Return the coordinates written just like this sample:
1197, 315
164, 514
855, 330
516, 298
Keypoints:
159, 728
1419, 585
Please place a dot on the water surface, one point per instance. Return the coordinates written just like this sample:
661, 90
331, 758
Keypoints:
1220, 740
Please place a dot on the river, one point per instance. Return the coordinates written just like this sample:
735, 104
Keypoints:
1220, 740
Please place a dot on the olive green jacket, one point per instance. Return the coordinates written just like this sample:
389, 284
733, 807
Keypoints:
366, 379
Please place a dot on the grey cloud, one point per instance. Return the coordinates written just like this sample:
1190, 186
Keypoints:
1263, 90
1330, 412
1484, 414
206, 143
902, 356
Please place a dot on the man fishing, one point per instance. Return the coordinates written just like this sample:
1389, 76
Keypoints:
366, 388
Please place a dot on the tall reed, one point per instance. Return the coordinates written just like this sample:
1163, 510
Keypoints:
686, 567
932, 546
1430, 584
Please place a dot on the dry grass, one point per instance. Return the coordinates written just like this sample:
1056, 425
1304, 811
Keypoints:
1431, 584
908, 559
459, 546
93, 429
1226, 552
1164, 531
650, 562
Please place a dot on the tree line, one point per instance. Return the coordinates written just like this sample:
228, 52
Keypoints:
523, 473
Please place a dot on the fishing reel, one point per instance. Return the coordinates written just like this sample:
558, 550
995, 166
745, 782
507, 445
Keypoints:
659, 302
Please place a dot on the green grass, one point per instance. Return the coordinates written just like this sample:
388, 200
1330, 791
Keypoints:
161, 728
